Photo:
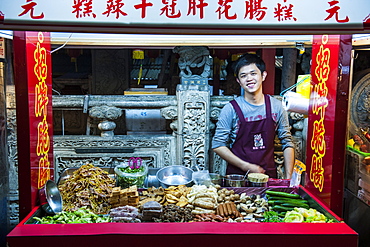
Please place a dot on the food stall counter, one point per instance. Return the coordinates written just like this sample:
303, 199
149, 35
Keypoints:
186, 233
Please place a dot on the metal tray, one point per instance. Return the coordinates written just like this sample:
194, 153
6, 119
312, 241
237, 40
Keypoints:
68, 172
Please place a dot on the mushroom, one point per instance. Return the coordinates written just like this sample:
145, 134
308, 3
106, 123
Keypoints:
248, 217
258, 216
261, 209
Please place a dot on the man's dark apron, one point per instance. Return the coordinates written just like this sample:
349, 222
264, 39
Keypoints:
254, 141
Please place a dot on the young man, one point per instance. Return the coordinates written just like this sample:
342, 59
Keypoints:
247, 126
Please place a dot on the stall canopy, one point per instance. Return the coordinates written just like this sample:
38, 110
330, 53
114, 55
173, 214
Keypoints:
331, 20
91, 40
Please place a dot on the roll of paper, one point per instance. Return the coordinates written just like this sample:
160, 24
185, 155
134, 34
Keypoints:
294, 102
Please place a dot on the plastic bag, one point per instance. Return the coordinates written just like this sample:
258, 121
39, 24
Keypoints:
201, 178
127, 179
298, 168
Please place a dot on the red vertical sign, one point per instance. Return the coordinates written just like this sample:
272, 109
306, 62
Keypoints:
33, 83
331, 55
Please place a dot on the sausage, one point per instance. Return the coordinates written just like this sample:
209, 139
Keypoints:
218, 218
198, 217
237, 212
226, 211
229, 209
233, 207
221, 210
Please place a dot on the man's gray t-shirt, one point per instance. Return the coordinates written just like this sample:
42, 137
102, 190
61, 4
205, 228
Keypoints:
227, 124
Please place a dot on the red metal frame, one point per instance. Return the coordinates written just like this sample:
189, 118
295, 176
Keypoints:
178, 234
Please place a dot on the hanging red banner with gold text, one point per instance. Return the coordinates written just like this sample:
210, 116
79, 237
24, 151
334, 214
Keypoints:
34, 110
326, 135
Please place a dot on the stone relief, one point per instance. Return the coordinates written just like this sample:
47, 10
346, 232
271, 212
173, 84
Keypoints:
215, 112
99, 161
106, 114
142, 146
193, 126
170, 113
13, 196
193, 134
194, 62
360, 103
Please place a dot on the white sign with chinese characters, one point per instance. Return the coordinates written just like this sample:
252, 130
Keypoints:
188, 14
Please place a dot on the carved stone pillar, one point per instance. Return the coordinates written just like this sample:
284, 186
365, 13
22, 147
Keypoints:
193, 102
193, 128
106, 114
13, 196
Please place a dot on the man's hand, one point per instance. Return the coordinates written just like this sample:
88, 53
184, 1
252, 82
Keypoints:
226, 154
255, 168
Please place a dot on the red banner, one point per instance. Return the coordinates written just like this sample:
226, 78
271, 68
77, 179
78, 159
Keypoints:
34, 109
331, 55
40, 85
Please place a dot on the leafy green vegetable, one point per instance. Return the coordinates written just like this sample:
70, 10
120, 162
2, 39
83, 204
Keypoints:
129, 170
305, 215
127, 177
271, 216
82, 215
293, 216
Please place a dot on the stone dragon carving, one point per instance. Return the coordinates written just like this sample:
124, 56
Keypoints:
192, 58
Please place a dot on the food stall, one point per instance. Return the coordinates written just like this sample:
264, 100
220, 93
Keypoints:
327, 107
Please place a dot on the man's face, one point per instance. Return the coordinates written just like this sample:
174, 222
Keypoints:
250, 78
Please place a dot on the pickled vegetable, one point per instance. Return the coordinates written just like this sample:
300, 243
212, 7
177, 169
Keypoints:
82, 215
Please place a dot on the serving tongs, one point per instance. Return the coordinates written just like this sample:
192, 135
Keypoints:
135, 162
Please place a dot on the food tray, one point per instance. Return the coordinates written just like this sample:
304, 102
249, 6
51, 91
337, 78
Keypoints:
68, 172
249, 191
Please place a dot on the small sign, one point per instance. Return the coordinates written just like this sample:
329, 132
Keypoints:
2, 48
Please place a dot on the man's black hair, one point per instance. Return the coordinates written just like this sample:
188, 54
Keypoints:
248, 59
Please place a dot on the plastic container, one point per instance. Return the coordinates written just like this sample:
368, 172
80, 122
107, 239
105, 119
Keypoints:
126, 179
216, 178
201, 178
255, 184
235, 180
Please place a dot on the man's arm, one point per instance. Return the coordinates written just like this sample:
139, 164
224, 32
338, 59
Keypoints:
289, 158
226, 154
